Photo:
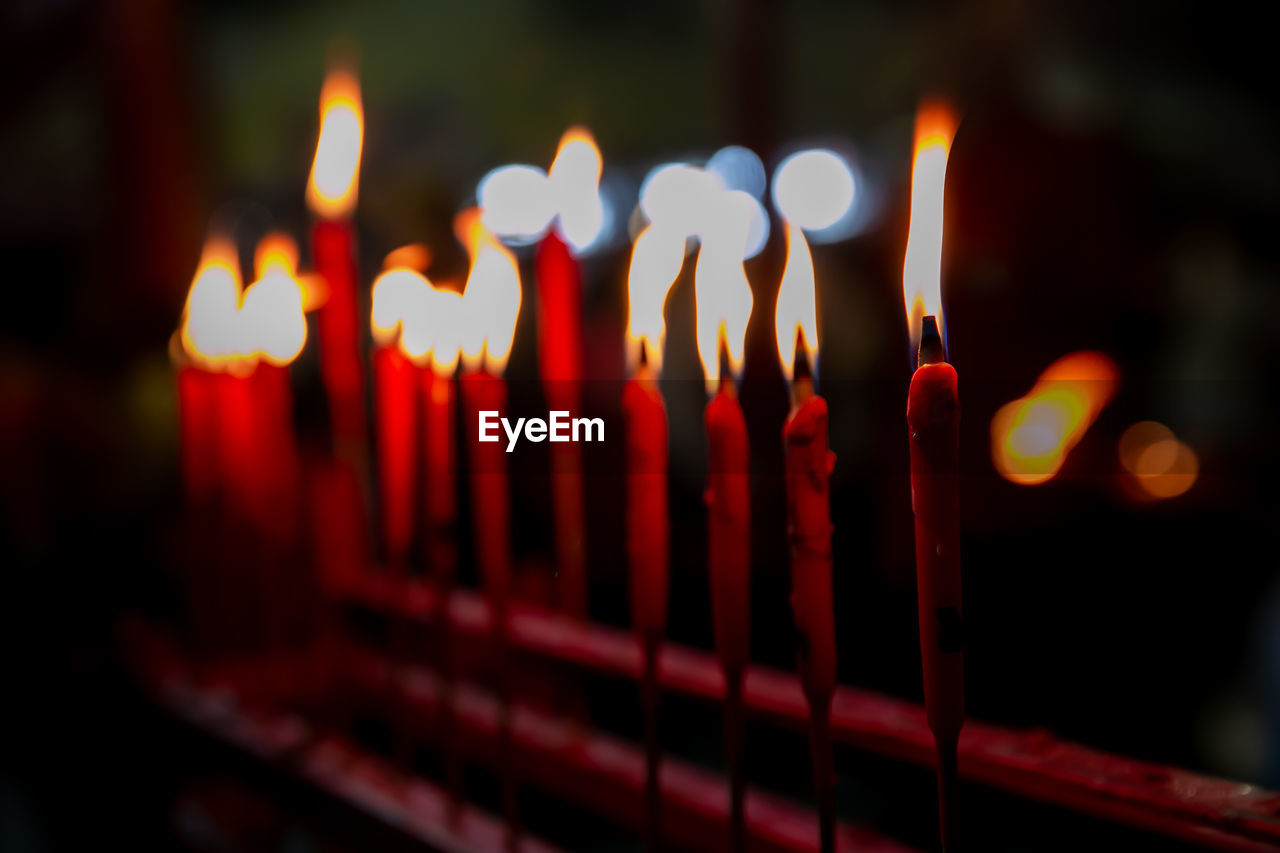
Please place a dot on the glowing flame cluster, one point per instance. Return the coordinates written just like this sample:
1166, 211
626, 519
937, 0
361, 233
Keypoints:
491, 298
1031, 436
922, 265
520, 201
335, 172
1159, 466
425, 321
226, 327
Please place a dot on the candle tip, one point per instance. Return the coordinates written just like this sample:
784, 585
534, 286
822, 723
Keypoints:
931, 351
644, 353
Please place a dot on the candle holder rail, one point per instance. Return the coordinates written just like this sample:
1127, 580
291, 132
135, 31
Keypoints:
1034, 764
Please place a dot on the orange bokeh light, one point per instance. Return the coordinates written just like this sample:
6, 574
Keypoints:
1032, 436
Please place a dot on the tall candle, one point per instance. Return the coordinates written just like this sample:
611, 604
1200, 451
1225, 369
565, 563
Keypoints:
728, 500
933, 421
933, 415
440, 501
560, 363
396, 391
331, 195
808, 468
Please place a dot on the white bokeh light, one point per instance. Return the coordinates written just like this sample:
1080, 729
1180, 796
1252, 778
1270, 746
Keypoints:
814, 189
739, 168
516, 201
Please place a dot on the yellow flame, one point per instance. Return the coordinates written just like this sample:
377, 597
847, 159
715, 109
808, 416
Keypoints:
210, 323
276, 253
1031, 436
574, 183
1158, 463
922, 263
423, 320
656, 260
722, 294
491, 298
797, 309
335, 172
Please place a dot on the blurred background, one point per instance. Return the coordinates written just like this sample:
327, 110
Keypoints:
1112, 187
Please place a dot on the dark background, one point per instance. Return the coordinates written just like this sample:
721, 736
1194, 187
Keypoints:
1113, 186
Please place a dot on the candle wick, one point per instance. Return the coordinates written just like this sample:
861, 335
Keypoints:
644, 353
801, 372
931, 351
727, 385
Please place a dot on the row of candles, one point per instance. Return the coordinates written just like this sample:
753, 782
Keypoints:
236, 343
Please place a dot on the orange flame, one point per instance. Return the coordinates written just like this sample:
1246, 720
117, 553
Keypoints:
722, 294
656, 260
797, 309
210, 323
1031, 436
922, 263
1158, 463
335, 172
491, 298
414, 256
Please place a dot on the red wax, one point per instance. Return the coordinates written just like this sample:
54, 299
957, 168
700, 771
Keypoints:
490, 499
933, 420
440, 508
808, 469
560, 364
242, 477
198, 432
396, 427
728, 500
333, 251
648, 529
276, 448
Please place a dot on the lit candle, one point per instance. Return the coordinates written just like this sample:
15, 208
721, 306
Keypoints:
490, 308
331, 195
573, 182
397, 293
933, 421
809, 461
724, 302
656, 259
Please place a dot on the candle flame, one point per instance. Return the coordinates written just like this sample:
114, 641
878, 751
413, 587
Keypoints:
1158, 463
574, 184
210, 323
414, 256
273, 322
722, 294
335, 173
797, 310
1031, 436
491, 297
922, 264
656, 260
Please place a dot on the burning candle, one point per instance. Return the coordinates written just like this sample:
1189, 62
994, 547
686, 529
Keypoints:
397, 294
331, 195
573, 183
490, 308
933, 421
723, 306
656, 259
809, 461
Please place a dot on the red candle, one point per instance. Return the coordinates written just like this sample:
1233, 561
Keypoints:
486, 321
809, 462
440, 500
560, 363
933, 421
331, 194
729, 559
933, 416
197, 432
396, 387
